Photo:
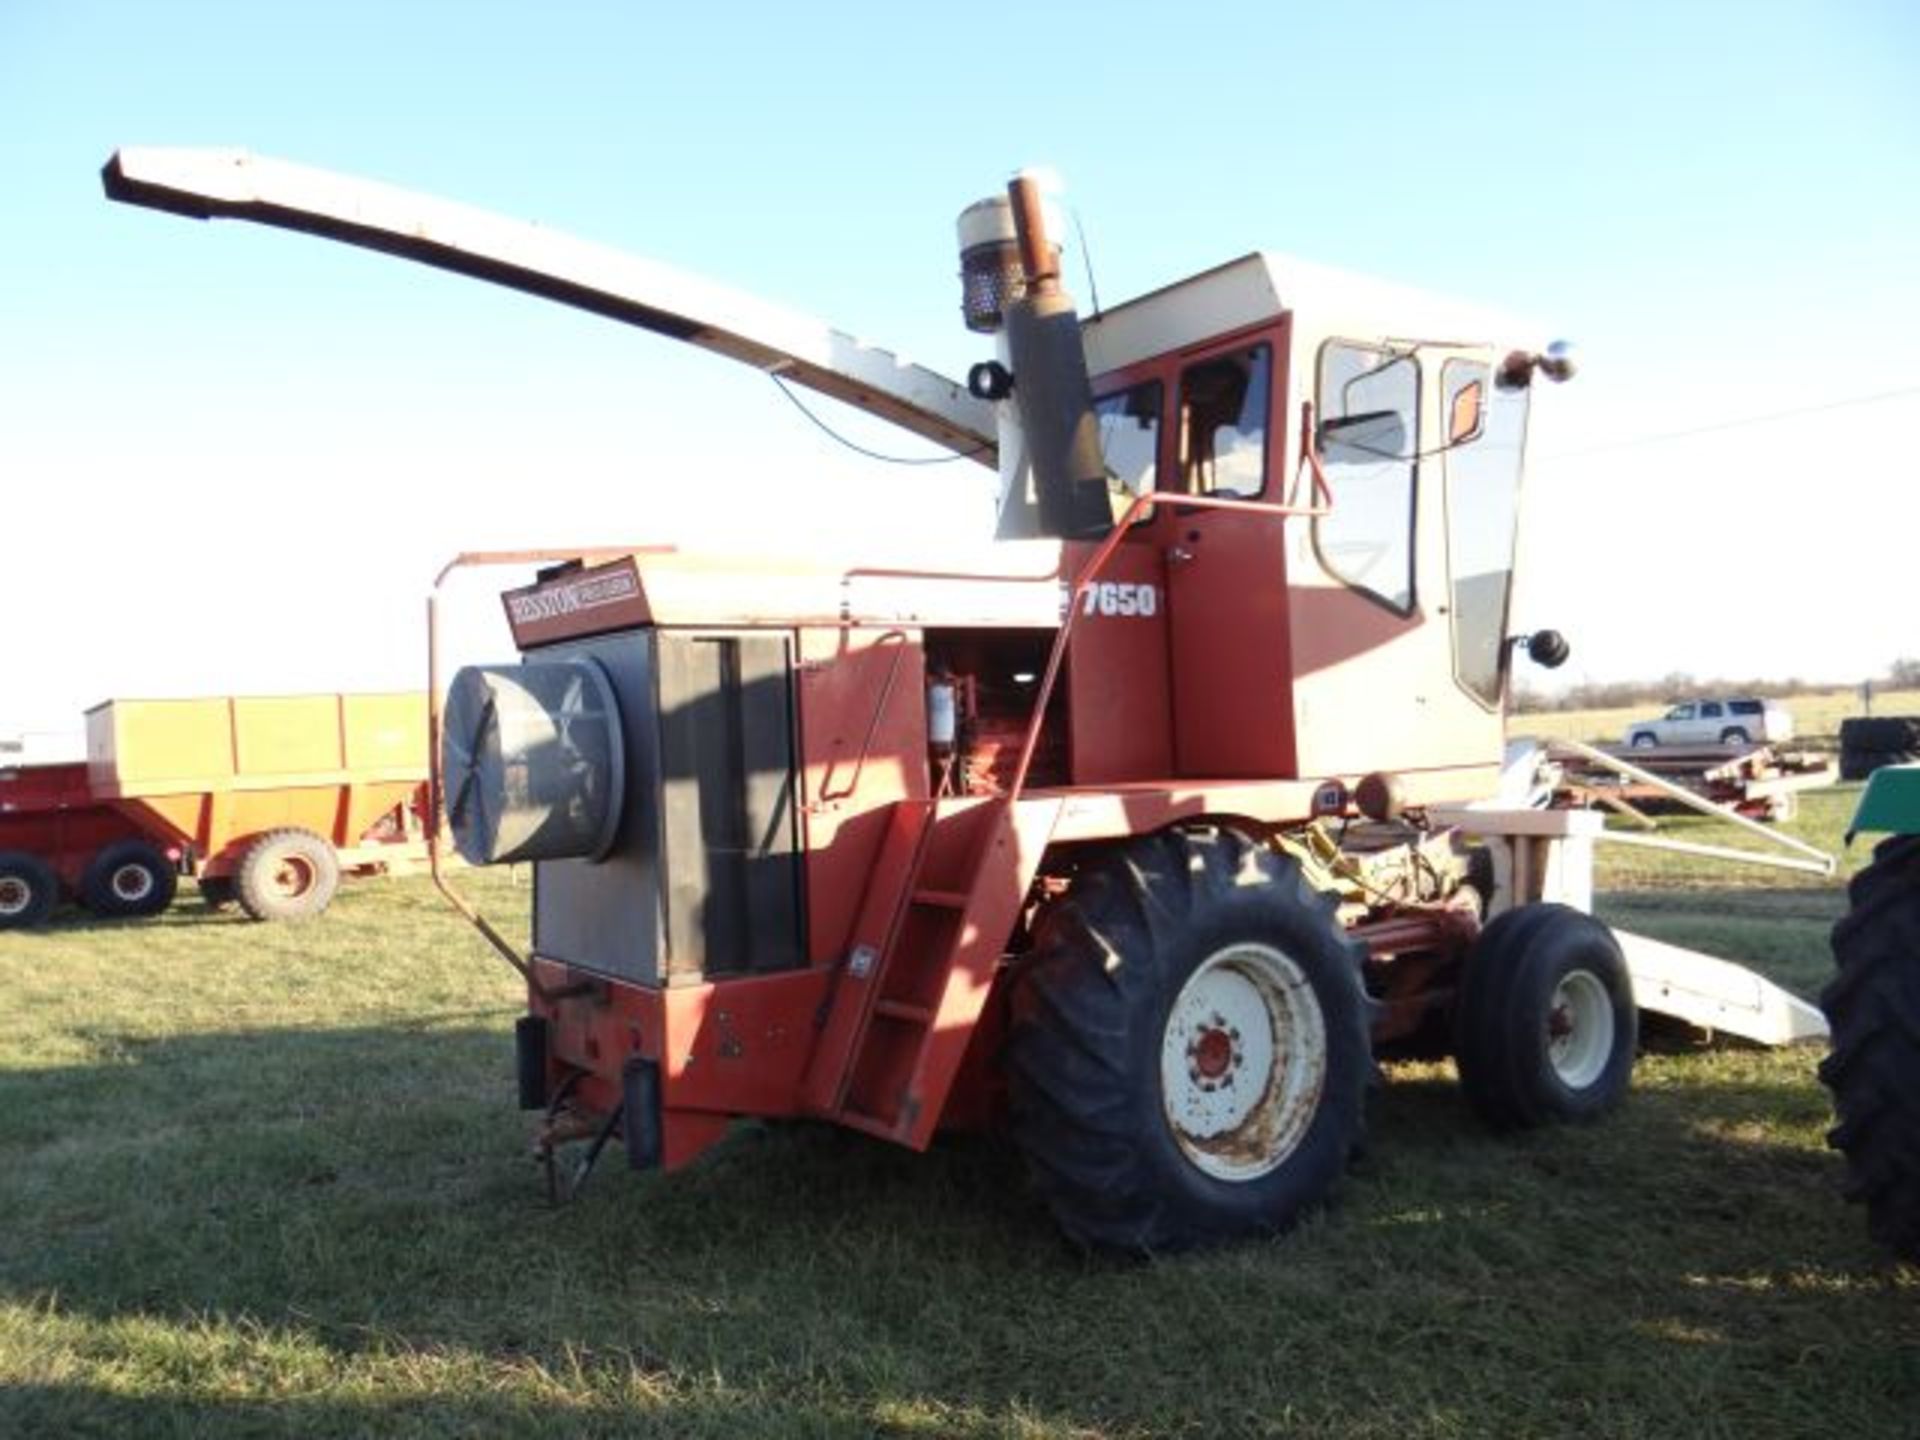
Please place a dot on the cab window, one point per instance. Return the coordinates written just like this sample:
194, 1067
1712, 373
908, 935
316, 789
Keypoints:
1483, 509
1223, 423
1130, 442
1368, 403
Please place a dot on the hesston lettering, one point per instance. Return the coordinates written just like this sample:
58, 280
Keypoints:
572, 595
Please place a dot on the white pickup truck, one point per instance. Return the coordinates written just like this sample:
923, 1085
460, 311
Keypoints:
1727, 721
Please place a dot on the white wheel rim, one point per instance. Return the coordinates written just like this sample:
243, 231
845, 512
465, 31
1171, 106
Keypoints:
132, 883
15, 896
1579, 1029
1243, 1061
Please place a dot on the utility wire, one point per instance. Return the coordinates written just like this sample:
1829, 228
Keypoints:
1769, 418
836, 436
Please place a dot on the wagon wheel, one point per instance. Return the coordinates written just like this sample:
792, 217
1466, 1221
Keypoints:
128, 878
286, 875
1545, 1021
28, 890
1188, 1051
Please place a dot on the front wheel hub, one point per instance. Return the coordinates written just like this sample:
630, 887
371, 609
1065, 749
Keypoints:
1579, 1029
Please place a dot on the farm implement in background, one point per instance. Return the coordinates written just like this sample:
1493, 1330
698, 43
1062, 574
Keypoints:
1760, 782
265, 800
1141, 832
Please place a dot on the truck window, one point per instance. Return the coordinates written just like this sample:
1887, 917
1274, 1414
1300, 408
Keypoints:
1744, 707
1680, 712
1710, 710
1130, 442
1223, 423
1483, 508
1368, 403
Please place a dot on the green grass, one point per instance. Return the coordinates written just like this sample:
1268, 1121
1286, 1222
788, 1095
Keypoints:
270, 1181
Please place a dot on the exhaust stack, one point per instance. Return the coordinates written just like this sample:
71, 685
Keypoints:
1010, 270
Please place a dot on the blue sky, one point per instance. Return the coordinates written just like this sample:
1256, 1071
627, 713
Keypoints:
230, 459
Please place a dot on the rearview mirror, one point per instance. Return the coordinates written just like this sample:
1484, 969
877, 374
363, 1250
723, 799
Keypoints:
1370, 435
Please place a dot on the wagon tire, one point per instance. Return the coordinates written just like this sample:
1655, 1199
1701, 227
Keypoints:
286, 875
1644, 740
1872, 1006
1187, 1053
1733, 735
129, 878
28, 890
1545, 1025
217, 892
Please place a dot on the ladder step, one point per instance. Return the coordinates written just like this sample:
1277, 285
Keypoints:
944, 899
903, 1010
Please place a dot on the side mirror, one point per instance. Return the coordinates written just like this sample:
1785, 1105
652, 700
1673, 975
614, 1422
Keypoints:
1370, 435
989, 380
1548, 649
1557, 362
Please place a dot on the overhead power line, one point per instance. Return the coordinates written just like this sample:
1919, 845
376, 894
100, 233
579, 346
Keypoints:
1771, 417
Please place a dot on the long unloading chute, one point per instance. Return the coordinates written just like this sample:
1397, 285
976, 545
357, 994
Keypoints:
236, 185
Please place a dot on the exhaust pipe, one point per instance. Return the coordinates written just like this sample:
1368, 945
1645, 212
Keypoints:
1010, 271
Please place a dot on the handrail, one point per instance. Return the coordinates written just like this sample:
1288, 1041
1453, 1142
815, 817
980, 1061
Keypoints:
1090, 572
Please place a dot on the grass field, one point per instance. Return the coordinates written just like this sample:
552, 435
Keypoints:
270, 1181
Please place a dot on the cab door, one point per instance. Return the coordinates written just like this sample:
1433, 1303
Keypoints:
1231, 661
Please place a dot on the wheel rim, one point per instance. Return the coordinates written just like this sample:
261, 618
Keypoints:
292, 877
132, 883
1580, 1029
1243, 1062
15, 896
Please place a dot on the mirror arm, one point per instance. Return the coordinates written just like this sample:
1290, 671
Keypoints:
1321, 496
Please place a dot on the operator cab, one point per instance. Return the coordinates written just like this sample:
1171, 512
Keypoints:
1315, 623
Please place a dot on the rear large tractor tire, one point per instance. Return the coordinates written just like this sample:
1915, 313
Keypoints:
1545, 1023
1873, 1008
28, 890
128, 878
287, 875
1188, 1052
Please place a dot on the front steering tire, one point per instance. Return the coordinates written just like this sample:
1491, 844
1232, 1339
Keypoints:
1546, 1027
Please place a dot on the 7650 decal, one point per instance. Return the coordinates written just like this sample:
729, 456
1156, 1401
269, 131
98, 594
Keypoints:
1120, 597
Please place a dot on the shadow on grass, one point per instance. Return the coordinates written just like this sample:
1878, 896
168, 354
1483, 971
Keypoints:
349, 1218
